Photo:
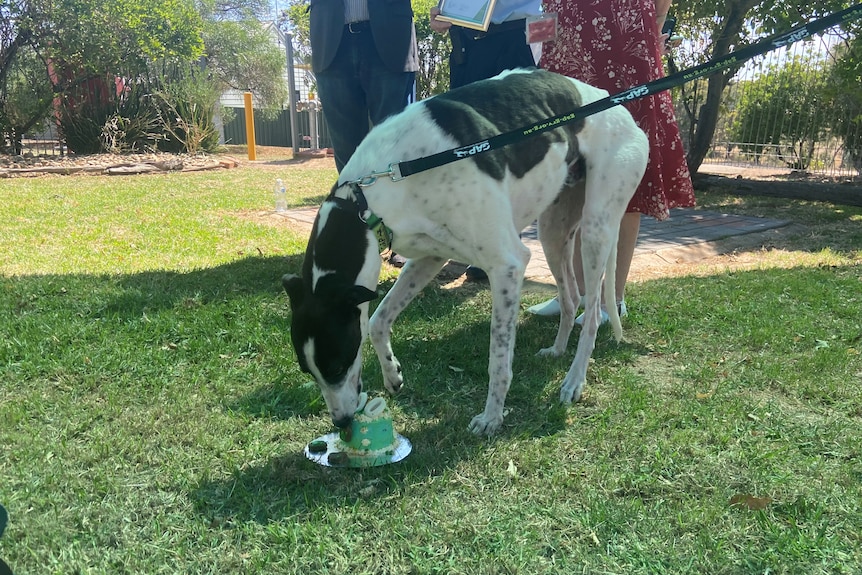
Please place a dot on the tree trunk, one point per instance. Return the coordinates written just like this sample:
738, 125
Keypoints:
707, 120
8, 56
707, 117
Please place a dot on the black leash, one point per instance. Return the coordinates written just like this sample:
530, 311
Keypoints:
410, 167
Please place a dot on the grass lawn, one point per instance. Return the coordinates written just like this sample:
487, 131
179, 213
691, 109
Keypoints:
152, 413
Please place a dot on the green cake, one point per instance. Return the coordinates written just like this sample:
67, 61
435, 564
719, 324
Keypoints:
369, 441
370, 435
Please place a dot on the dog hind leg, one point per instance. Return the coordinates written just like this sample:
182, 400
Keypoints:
610, 183
557, 228
596, 240
414, 276
610, 292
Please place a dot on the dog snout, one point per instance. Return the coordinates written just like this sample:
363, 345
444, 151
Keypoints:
342, 422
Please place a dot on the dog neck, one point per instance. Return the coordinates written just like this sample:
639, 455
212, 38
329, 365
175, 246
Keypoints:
343, 245
353, 191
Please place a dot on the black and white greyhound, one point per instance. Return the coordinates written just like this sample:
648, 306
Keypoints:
580, 176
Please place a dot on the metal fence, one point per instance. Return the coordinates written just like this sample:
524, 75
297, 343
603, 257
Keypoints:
311, 128
774, 115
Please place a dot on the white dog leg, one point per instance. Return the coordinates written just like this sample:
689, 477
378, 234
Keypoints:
557, 228
506, 282
568, 294
414, 276
615, 162
596, 241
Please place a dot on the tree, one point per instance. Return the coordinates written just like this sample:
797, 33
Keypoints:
78, 47
730, 25
25, 94
844, 87
22, 94
294, 20
240, 53
104, 60
433, 75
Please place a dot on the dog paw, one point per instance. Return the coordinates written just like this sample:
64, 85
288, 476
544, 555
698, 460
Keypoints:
571, 393
549, 352
393, 380
393, 387
483, 425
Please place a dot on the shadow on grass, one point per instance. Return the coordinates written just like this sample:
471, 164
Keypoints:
433, 411
289, 485
441, 340
235, 280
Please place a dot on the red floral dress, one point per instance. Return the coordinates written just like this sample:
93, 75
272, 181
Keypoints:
613, 44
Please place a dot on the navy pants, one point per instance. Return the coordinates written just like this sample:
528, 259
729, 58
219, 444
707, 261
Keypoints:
357, 91
488, 55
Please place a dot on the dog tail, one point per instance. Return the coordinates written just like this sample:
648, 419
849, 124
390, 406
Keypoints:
611, 291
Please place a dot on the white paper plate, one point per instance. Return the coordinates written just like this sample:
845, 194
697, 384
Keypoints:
401, 451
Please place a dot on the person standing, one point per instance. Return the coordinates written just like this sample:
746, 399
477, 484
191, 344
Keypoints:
616, 45
364, 57
478, 55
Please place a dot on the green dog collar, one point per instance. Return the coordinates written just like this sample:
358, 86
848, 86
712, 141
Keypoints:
384, 234
374, 223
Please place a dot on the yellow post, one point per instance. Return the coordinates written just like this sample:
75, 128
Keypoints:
249, 127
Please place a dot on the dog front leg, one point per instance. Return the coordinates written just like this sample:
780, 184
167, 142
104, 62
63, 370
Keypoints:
506, 291
414, 276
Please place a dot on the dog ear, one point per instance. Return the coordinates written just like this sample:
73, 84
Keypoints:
294, 288
358, 294
347, 302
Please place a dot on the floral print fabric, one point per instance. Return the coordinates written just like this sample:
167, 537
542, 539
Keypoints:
613, 44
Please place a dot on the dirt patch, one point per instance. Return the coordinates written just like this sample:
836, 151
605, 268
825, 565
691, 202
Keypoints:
276, 158
267, 157
273, 219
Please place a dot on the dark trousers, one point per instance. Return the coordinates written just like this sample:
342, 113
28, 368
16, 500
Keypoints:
357, 91
477, 55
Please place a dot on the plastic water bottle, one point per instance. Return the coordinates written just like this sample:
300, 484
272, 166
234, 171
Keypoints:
280, 196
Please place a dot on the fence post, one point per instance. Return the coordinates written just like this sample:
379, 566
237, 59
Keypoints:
249, 126
291, 87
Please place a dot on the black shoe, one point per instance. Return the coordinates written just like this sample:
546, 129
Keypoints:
397, 261
475, 274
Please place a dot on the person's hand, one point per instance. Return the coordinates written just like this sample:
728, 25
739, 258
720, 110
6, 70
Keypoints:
667, 43
438, 26
662, 42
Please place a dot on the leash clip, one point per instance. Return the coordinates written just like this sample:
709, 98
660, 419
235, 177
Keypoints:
394, 173
369, 218
371, 178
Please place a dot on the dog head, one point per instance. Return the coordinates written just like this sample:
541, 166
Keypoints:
327, 330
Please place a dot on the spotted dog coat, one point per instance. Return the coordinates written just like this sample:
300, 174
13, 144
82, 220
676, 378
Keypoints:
580, 176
